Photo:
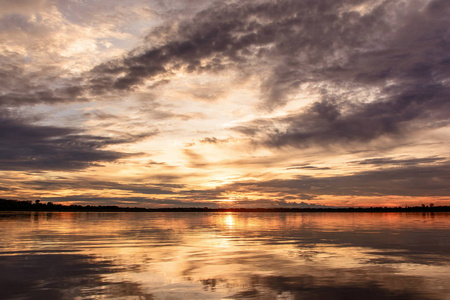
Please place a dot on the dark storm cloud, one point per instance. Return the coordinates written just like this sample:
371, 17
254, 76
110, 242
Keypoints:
402, 181
292, 38
408, 64
333, 120
26, 146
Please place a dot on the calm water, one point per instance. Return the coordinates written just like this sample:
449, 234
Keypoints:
224, 256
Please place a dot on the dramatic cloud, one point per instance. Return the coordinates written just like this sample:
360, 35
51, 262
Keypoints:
86, 183
294, 39
402, 181
32, 147
330, 121
252, 103
408, 67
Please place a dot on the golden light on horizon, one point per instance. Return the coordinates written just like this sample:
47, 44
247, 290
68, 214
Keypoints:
121, 108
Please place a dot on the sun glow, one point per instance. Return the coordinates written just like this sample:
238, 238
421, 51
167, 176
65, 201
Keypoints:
228, 200
229, 220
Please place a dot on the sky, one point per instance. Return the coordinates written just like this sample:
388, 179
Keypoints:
174, 103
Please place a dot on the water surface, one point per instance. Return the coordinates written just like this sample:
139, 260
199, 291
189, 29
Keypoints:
224, 255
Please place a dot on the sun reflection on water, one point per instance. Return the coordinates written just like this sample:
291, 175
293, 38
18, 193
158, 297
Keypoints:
229, 220
246, 255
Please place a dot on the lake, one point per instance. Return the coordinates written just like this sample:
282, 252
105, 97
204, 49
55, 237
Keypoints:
224, 255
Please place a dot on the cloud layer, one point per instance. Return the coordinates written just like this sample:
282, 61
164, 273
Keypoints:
252, 102
30, 147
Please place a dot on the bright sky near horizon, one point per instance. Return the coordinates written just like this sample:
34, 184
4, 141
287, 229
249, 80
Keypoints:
256, 103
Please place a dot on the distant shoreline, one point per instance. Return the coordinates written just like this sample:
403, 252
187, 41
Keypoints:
14, 205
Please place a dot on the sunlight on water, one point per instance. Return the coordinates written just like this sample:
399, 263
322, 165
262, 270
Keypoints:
224, 255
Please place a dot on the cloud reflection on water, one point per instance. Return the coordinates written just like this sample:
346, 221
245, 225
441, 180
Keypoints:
49, 275
226, 255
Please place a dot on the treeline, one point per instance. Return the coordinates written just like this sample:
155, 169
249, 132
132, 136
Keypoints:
37, 205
